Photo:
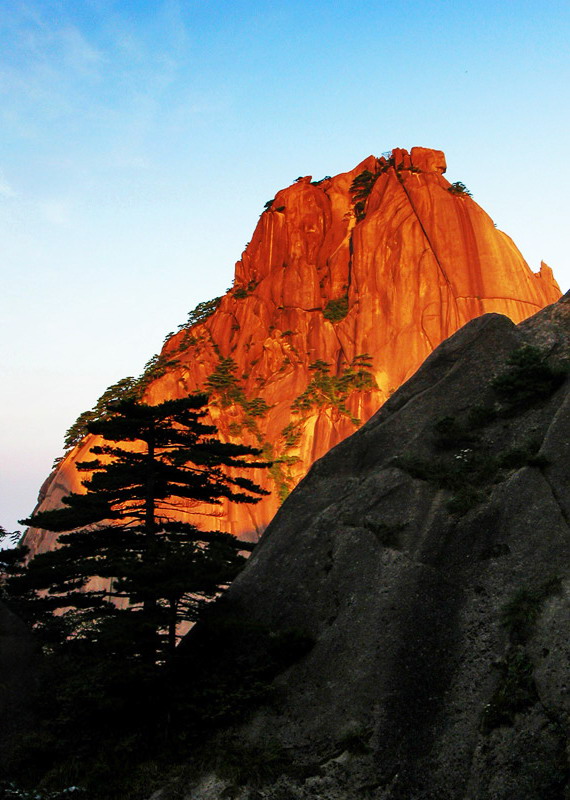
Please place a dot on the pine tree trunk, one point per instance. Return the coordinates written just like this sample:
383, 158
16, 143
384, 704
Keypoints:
150, 644
173, 605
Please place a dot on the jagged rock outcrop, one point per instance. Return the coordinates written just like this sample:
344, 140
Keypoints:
428, 558
384, 261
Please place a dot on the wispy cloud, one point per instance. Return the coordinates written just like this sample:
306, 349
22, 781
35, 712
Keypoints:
48, 65
43, 33
90, 90
77, 52
59, 61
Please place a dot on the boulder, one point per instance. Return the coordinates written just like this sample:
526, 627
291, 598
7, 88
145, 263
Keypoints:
427, 560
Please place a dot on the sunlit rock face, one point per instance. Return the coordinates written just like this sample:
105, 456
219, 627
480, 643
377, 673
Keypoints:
387, 269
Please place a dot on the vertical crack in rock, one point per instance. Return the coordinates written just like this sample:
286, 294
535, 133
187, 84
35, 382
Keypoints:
555, 496
425, 233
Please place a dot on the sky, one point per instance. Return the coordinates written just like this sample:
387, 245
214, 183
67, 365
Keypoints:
140, 140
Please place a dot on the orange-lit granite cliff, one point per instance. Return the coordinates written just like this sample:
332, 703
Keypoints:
388, 268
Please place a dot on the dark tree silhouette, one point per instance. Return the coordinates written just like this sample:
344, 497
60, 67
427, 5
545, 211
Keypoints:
127, 573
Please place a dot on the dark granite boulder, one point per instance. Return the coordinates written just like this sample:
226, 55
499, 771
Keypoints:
427, 557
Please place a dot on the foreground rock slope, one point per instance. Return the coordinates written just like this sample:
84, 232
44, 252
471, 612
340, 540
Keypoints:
19, 678
427, 560
347, 285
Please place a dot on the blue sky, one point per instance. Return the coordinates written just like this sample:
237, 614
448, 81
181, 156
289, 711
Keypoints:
140, 140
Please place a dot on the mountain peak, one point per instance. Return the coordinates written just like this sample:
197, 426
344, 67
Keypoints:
347, 285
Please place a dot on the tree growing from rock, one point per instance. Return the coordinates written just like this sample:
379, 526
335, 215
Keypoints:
126, 574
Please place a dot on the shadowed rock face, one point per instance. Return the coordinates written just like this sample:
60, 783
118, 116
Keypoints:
428, 556
19, 671
388, 268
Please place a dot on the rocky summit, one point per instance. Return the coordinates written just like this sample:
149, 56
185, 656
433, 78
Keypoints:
425, 565
347, 285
